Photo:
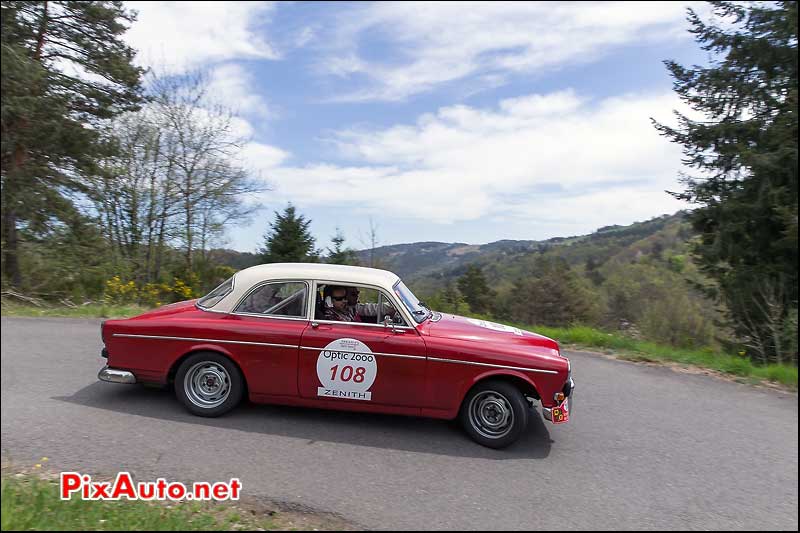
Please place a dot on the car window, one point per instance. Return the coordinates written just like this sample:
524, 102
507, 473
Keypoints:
276, 299
213, 298
364, 305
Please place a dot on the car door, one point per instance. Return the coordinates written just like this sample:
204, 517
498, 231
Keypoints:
269, 323
362, 362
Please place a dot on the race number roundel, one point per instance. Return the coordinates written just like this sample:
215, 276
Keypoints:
346, 368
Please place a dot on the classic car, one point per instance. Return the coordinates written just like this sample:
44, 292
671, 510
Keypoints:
340, 337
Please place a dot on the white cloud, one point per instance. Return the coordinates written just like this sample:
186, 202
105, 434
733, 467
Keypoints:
233, 86
180, 36
305, 36
552, 159
263, 157
432, 43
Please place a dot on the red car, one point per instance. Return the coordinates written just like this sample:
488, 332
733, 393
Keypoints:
340, 337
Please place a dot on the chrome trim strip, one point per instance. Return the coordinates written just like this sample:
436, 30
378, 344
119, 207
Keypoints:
211, 310
164, 337
372, 353
343, 323
492, 366
276, 317
113, 375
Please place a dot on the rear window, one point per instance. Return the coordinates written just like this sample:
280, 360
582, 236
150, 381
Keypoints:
212, 298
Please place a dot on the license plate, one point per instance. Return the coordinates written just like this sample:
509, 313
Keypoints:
561, 413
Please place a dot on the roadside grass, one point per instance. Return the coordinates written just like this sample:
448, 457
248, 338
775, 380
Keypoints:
637, 350
32, 503
11, 308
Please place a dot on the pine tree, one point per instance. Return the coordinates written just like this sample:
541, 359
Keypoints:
746, 149
475, 290
51, 115
288, 240
339, 254
592, 273
552, 294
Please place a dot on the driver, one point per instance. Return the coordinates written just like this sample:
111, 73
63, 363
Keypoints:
336, 308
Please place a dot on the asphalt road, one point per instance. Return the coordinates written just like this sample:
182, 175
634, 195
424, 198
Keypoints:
647, 447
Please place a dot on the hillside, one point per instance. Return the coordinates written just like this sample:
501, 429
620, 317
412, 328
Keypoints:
427, 266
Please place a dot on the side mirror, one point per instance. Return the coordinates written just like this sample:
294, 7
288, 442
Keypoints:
389, 323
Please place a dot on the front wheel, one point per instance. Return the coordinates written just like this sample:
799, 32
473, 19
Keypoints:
494, 414
209, 384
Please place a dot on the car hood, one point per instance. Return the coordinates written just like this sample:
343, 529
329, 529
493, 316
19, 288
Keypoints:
169, 309
484, 331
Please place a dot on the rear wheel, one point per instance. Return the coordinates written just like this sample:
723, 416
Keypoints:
494, 414
209, 384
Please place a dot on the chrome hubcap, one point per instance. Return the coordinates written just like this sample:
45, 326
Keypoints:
207, 384
491, 415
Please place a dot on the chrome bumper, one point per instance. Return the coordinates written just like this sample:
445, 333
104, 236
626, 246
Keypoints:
116, 376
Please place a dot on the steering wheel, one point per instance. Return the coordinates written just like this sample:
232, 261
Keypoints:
397, 318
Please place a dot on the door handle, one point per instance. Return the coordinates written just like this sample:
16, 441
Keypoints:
315, 325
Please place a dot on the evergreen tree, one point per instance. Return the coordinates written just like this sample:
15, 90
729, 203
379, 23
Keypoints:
746, 149
448, 300
288, 240
472, 285
339, 254
592, 272
51, 114
552, 294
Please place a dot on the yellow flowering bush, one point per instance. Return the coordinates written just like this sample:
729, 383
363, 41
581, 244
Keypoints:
154, 294
119, 292
182, 290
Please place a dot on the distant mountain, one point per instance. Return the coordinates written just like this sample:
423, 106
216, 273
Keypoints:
428, 265
232, 258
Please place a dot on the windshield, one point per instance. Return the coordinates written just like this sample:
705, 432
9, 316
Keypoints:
417, 310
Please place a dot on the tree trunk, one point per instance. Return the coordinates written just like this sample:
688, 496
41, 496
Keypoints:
10, 256
42, 32
11, 252
189, 221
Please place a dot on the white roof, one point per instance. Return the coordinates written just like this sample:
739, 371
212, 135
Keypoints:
344, 274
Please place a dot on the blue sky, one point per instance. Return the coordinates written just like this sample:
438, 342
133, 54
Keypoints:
469, 122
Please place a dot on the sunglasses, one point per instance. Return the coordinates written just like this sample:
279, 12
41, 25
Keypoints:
338, 298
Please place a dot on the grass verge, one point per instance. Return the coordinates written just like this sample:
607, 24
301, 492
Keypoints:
636, 350
11, 308
32, 503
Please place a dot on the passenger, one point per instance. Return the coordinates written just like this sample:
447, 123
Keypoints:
352, 302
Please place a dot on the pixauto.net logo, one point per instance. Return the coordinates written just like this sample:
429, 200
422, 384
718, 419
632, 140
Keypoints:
75, 484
